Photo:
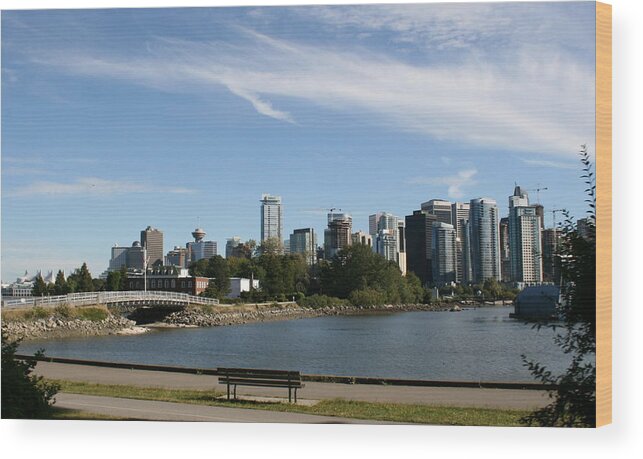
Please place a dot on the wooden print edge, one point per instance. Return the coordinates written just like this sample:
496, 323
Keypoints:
603, 214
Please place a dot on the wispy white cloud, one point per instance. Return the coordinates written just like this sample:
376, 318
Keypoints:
91, 186
539, 101
548, 163
456, 184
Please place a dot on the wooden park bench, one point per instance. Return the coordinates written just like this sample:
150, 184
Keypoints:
260, 378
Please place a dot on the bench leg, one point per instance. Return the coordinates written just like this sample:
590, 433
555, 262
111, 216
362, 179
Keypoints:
235, 391
289, 395
295, 395
228, 386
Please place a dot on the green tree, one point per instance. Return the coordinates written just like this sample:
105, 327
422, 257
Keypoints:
24, 395
123, 286
113, 281
574, 396
272, 246
216, 268
84, 279
39, 287
358, 268
61, 287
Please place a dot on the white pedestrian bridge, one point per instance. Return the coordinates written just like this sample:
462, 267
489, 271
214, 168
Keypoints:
126, 298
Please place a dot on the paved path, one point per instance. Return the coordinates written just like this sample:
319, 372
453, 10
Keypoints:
449, 396
166, 411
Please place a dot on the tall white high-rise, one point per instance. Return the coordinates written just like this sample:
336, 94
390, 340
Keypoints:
484, 239
525, 249
444, 253
459, 218
304, 241
271, 217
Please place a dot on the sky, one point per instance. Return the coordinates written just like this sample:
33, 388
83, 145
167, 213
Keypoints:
116, 119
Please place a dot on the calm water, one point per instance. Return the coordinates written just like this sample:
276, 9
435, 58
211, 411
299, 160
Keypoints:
478, 344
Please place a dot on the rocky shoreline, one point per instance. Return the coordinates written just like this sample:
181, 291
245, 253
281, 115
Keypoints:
114, 324
201, 318
54, 327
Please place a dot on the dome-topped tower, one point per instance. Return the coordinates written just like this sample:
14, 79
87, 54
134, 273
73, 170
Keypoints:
198, 234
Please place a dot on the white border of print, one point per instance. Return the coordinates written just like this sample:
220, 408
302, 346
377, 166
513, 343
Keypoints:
71, 439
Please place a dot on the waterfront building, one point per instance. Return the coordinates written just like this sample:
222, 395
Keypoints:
177, 257
459, 217
484, 239
440, 208
386, 239
238, 285
443, 249
338, 234
552, 239
419, 235
304, 241
401, 246
373, 223
152, 241
362, 238
200, 249
118, 258
525, 249
135, 257
230, 245
168, 279
505, 260
271, 217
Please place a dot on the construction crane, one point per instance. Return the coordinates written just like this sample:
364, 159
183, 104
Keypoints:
538, 190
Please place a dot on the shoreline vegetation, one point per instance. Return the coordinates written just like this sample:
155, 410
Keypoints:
66, 322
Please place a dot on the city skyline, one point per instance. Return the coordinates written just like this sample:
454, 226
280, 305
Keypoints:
178, 118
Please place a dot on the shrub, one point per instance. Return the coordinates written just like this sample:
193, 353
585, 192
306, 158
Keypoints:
367, 297
24, 396
41, 313
321, 301
93, 314
63, 311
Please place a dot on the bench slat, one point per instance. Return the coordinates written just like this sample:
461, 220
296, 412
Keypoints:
264, 384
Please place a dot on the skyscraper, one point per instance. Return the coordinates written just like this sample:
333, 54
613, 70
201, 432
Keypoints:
552, 239
440, 208
525, 249
459, 217
271, 217
385, 241
443, 249
304, 241
200, 249
152, 241
231, 243
484, 239
419, 235
338, 234
401, 245
505, 259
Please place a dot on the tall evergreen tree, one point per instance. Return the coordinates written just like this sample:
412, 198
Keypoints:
85, 282
60, 286
39, 287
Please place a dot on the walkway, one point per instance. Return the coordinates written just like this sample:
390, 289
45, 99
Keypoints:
167, 411
448, 396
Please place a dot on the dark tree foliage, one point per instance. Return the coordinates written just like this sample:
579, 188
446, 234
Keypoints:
39, 287
61, 287
113, 281
123, 279
574, 400
24, 395
215, 268
359, 274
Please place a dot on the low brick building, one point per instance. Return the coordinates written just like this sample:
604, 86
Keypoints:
168, 279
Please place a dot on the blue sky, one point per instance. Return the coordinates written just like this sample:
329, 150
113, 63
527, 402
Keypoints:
113, 120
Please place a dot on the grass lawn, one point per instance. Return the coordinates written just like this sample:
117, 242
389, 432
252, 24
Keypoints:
394, 412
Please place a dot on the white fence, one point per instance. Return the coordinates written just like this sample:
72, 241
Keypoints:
84, 299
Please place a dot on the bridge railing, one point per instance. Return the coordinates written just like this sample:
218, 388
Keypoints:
89, 298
